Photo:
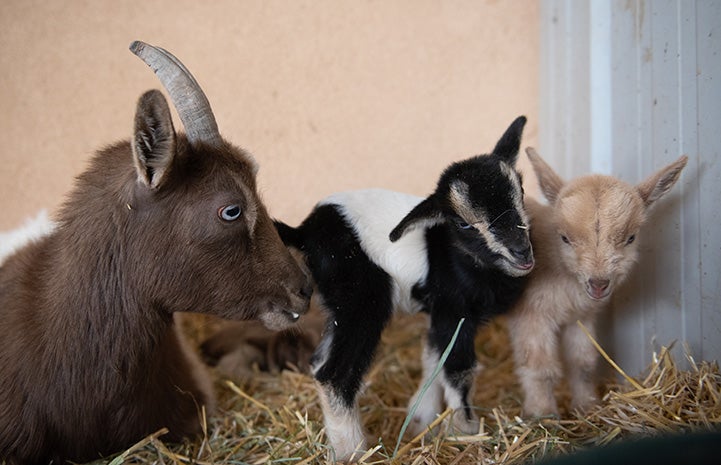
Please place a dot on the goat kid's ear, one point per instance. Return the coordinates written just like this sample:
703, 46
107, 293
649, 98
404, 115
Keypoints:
548, 180
153, 139
427, 213
509, 144
656, 185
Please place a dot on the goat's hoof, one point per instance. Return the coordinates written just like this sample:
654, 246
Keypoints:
585, 404
464, 424
541, 413
419, 425
351, 456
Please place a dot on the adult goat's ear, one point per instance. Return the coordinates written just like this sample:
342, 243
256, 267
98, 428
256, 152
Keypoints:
661, 181
427, 213
549, 181
509, 144
153, 139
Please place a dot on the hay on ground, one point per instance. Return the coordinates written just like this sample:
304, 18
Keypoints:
276, 418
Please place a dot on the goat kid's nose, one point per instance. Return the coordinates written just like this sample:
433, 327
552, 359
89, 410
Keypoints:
521, 254
307, 290
599, 284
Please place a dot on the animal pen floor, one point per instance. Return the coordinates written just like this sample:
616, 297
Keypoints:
276, 418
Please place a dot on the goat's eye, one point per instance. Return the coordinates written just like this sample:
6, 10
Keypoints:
565, 239
463, 225
630, 239
229, 213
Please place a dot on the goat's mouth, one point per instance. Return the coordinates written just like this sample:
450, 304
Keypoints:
284, 312
519, 267
518, 259
523, 266
278, 318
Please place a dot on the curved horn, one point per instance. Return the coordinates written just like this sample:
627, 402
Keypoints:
187, 96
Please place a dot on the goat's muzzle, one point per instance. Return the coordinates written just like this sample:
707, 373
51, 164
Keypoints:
279, 316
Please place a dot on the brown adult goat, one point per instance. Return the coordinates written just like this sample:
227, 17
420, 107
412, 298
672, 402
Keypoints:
90, 360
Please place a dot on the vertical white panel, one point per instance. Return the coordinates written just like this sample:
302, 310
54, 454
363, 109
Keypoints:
708, 171
565, 104
658, 65
600, 90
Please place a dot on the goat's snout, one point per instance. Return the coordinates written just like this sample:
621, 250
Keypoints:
301, 298
522, 258
598, 288
524, 255
306, 291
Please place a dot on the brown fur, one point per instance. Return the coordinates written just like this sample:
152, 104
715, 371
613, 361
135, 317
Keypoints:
90, 359
600, 218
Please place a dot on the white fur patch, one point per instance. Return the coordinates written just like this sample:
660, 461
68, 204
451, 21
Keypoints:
373, 213
32, 230
342, 426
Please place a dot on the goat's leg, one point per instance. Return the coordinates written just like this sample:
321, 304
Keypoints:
580, 357
431, 402
537, 364
458, 374
339, 364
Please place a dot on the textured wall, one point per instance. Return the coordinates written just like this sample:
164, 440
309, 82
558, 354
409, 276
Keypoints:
328, 95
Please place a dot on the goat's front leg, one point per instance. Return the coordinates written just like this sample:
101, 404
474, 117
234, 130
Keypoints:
535, 352
431, 401
580, 357
458, 374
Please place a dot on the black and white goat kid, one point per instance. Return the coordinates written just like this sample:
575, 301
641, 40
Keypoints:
460, 253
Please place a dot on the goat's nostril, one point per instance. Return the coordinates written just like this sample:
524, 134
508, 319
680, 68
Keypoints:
521, 254
306, 291
599, 284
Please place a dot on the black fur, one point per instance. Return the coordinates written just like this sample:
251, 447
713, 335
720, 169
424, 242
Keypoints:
459, 286
465, 278
356, 291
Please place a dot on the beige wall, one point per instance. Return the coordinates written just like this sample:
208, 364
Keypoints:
328, 95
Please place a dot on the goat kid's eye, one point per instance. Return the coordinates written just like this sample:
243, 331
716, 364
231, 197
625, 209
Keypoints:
464, 225
565, 239
229, 213
631, 238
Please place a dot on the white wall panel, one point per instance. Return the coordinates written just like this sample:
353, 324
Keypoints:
627, 87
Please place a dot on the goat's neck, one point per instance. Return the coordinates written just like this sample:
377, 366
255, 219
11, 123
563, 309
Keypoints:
97, 307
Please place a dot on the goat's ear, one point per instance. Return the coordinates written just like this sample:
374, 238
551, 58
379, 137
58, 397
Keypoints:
510, 142
427, 213
153, 139
550, 182
656, 185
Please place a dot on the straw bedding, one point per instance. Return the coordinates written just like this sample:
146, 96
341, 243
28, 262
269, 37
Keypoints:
276, 418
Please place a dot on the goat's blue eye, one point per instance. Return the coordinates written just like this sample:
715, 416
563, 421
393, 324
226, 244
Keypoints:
464, 225
229, 213
631, 238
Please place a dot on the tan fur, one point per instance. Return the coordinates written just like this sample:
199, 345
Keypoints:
600, 217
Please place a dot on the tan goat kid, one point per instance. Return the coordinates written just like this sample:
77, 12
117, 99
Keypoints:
585, 244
